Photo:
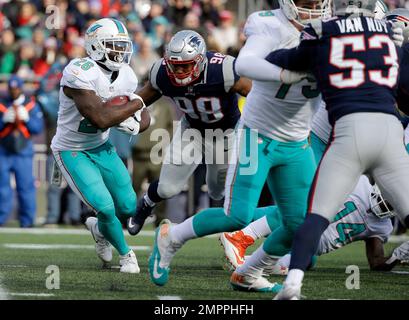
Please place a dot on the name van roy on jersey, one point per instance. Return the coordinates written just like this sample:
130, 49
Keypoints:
355, 25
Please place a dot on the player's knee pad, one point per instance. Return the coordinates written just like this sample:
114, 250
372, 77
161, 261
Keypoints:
127, 204
169, 190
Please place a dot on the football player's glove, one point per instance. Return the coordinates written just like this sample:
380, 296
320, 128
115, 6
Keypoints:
131, 125
290, 77
397, 36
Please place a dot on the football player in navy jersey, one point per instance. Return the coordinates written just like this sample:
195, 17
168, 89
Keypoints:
401, 16
355, 62
204, 85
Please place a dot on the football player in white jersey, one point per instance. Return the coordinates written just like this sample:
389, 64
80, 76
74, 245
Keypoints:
276, 123
364, 216
87, 160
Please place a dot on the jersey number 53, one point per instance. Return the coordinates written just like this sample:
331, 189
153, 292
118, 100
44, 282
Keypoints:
353, 71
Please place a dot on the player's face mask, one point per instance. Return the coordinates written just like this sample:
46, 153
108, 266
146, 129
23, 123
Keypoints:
311, 10
117, 52
379, 206
183, 72
304, 11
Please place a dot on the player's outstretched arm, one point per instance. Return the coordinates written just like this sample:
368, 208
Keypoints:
92, 108
376, 255
242, 86
149, 94
251, 63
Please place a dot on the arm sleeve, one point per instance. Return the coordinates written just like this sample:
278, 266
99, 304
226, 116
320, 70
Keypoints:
230, 76
263, 36
153, 74
251, 61
299, 58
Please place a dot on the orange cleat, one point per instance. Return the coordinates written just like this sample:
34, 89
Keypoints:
235, 245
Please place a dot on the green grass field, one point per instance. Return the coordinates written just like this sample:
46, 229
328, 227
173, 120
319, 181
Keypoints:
197, 272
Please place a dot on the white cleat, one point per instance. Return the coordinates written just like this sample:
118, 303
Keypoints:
255, 284
164, 250
128, 263
289, 292
102, 246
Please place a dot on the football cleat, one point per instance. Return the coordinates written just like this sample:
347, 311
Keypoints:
247, 283
135, 223
235, 245
102, 246
289, 292
128, 263
163, 251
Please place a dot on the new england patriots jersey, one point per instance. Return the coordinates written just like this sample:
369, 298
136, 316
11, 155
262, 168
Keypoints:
354, 61
208, 102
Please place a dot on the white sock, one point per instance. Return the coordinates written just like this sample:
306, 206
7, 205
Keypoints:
254, 265
284, 261
183, 231
148, 200
97, 232
258, 229
295, 276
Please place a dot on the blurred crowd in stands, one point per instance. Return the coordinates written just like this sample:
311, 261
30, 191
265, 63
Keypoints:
39, 37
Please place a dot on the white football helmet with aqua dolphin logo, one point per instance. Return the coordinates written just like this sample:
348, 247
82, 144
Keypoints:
107, 42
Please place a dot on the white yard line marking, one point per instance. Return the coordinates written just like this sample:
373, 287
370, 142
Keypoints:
33, 246
398, 239
60, 231
29, 294
400, 272
13, 266
45, 231
169, 298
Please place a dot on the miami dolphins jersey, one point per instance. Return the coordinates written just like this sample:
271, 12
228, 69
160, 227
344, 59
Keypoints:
279, 111
74, 132
407, 135
355, 221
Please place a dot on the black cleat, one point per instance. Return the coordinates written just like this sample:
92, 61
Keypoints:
135, 223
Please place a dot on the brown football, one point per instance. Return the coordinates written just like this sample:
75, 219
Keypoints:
117, 101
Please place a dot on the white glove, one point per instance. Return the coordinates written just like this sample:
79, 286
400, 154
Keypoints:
9, 116
290, 77
22, 114
397, 36
130, 126
132, 96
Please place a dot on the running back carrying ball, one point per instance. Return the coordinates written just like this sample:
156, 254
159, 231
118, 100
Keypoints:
139, 122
